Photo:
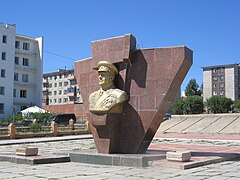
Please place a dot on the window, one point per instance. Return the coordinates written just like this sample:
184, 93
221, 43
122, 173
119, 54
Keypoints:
14, 92
24, 77
16, 61
73, 82
65, 83
50, 85
221, 69
2, 90
60, 92
50, 100
60, 84
23, 107
17, 44
1, 108
15, 76
3, 73
60, 100
23, 93
222, 93
4, 39
65, 92
55, 84
4, 56
214, 85
222, 85
215, 78
25, 62
222, 77
65, 99
55, 100
214, 93
26, 46
50, 93
55, 92
214, 70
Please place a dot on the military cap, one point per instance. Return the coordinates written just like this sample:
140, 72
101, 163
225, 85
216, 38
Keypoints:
105, 66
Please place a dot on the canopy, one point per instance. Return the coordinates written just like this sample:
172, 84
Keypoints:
33, 109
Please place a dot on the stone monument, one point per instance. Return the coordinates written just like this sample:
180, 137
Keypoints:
142, 84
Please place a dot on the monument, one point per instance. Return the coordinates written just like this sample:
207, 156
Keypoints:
128, 96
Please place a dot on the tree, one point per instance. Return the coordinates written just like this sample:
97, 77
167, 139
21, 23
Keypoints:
219, 104
178, 106
189, 105
193, 105
192, 88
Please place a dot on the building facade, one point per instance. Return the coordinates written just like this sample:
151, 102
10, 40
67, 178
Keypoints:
21, 66
221, 80
60, 88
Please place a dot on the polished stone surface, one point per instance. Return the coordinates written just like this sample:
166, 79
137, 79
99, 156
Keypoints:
151, 77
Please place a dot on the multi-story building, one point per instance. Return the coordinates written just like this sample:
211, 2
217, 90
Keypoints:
221, 80
21, 66
60, 88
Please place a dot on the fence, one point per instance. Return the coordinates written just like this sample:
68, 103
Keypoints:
13, 132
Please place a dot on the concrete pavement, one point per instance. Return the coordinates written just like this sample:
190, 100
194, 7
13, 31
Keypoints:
71, 170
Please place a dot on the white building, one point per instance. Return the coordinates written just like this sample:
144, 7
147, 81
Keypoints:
60, 88
21, 69
221, 80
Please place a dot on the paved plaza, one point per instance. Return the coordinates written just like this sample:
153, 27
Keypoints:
71, 170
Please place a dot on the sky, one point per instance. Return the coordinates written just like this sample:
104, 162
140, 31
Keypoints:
211, 28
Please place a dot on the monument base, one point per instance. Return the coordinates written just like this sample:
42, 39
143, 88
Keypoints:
132, 160
31, 160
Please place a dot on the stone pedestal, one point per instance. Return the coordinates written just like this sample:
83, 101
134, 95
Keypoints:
27, 151
178, 156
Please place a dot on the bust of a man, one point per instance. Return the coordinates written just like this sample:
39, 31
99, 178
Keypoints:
108, 99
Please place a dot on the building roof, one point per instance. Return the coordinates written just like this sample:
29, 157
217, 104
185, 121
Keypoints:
60, 71
221, 66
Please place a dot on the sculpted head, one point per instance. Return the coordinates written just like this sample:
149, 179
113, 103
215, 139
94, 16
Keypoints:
106, 73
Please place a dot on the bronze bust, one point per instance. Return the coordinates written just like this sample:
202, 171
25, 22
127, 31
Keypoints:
108, 99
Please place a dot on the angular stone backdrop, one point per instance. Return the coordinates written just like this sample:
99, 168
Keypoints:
151, 77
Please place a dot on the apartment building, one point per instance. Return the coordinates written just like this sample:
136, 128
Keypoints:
221, 80
60, 88
21, 66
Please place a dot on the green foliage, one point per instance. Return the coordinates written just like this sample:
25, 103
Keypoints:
189, 105
38, 117
219, 104
192, 88
35, 127
237, 106
178, 106
193, 105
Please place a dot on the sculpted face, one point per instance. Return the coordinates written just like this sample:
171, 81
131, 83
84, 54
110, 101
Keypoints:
105, 78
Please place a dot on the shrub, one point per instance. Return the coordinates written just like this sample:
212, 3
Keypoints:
178, 106
219, 104
35, 127
237, 106
193, 105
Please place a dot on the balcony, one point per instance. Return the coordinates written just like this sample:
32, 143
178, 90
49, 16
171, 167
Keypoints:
71, 94
45, 96
44, 89
27, 84
71, 77
45, 81
24, 52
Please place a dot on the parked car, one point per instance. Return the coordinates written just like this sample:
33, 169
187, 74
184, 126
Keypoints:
63, 118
